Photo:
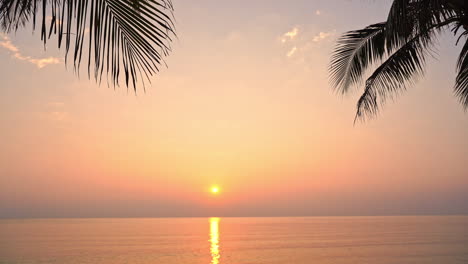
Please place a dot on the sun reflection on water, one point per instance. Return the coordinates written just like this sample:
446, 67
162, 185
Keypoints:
214, 240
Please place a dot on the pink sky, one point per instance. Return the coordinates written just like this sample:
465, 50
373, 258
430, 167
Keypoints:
245, 103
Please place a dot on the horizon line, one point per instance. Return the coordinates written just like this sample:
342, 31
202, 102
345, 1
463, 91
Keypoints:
262, 216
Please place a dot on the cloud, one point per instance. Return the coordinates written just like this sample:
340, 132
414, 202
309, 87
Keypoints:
295, 45
55, 104
290, 35
318, 12
5, 42
291, 52
55, 111
58, 116
321, 36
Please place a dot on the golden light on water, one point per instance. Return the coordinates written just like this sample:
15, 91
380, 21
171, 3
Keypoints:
214, 240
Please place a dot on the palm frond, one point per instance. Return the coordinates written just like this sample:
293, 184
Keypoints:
128, 36
405, 40
354, 52
408, 18
392, 77
14, 14
357, 50
400, 23
461, 81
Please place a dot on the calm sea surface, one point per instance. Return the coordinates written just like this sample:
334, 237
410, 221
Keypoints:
319, 240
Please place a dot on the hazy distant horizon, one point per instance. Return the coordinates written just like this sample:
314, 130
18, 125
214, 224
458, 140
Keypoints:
443, 209
221, 216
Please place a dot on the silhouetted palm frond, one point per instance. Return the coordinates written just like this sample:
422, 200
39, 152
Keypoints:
407, 17
461, 82
354, 52
404, 40
128, 36
393, 75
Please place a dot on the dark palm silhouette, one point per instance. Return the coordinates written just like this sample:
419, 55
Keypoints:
400, 46
132, 36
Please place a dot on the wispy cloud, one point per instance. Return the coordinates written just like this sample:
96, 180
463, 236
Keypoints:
322, 35
291, 52
6, 43
290, 35
301, 39
58, 116
55, 111
55, 104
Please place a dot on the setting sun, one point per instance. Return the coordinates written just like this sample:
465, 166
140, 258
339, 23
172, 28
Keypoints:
214, 189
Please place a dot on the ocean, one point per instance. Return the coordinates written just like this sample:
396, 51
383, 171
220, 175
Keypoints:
282, 240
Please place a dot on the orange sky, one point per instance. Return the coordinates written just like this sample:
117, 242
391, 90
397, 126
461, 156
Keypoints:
244, 104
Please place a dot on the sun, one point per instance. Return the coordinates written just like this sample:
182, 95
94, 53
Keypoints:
214, 189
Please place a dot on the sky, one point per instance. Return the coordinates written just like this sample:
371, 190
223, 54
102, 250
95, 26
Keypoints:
245, 104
